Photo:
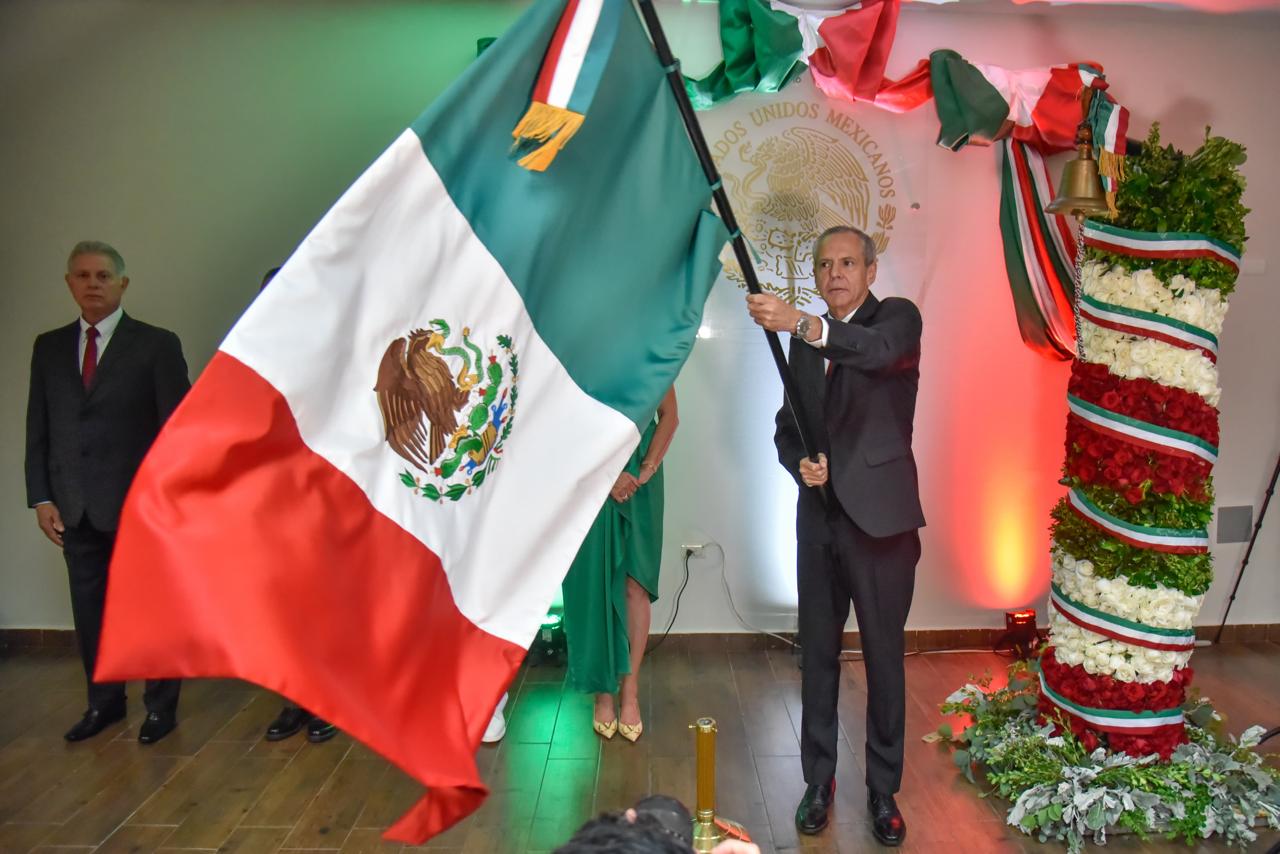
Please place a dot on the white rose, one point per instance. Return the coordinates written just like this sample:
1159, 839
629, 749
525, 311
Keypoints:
1084, 567
1125, 672
1161, 614
1142, 352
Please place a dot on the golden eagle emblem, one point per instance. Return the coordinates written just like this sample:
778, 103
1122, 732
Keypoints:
446, 409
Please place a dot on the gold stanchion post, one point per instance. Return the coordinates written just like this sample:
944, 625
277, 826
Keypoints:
708, 829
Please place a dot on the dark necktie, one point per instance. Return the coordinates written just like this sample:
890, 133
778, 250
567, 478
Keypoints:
90, 355
826, 318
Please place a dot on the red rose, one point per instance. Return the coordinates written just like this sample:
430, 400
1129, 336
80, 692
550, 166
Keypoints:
1134, 495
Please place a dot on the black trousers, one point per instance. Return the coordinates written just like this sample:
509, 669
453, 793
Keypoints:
878, 575
87, 552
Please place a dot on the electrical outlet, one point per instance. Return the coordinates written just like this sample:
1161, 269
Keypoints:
693, 549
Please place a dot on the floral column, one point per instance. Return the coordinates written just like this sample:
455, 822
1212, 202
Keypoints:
1130, 545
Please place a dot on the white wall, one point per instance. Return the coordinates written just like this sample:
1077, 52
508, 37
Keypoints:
204, 139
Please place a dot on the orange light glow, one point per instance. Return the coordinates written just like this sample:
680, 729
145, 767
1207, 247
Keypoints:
1007, 543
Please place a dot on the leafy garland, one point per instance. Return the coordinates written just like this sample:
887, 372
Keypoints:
1189, 573
1153, 509
1167, 190
1060, 790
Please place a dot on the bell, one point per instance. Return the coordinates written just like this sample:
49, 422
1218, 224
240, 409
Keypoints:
1080, 193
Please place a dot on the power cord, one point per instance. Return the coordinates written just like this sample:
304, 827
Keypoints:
688, 553
724, 582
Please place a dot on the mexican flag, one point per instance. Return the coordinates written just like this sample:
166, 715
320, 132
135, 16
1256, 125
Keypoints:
769, 43
1038, 106
370, 497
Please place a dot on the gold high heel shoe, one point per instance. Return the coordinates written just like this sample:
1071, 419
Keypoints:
631, 732
605, 730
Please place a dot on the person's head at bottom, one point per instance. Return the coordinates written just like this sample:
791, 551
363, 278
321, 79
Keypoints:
655, 825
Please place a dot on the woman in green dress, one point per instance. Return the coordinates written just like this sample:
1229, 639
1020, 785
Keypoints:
613, 581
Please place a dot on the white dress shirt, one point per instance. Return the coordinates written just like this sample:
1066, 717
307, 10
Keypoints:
106, 328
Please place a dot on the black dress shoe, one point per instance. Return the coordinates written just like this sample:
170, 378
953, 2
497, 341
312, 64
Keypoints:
887, 823
319, 730
94, 722
811, 815
291, 720
156, 726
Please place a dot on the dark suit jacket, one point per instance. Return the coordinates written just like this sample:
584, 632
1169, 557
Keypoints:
863, 415
83, 446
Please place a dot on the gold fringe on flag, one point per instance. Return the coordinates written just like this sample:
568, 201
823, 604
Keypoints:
547, 127
1111, 165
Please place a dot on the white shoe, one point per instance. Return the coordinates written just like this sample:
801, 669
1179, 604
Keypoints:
497, 727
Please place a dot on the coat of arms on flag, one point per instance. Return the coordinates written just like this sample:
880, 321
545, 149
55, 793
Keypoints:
448, 422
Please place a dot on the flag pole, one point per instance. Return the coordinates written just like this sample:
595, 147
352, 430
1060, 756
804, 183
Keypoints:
676, 79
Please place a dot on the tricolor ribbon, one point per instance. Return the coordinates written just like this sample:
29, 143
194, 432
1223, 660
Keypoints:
567, 83
1159, 244
1110, 124
1133, 321
1117, 628
1169, 540
1114, 720
1039, 252
1141, 433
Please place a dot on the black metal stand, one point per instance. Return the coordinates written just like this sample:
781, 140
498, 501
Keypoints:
1257, 526
740, 251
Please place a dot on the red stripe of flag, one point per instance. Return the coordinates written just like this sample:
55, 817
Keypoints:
243, 553
1122, 129
542, 89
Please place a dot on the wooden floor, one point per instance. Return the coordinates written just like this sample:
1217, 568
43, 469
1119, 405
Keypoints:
214, 784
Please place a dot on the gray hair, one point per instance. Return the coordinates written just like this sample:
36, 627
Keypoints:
868, 245
97, 247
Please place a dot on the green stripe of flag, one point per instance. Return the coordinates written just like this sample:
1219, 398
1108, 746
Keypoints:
630, 251
763, 52
969, 107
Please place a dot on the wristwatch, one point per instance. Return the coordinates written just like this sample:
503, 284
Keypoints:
803, 325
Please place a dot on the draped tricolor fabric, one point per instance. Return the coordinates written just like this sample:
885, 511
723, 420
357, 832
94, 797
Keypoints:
369, 498
1031, 113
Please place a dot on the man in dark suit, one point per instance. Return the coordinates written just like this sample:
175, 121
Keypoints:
101, 388
858, 515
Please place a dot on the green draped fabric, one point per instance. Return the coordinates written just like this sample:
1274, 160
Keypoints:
625, 540
763, 52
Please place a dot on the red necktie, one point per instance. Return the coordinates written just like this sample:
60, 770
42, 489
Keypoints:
90, 355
